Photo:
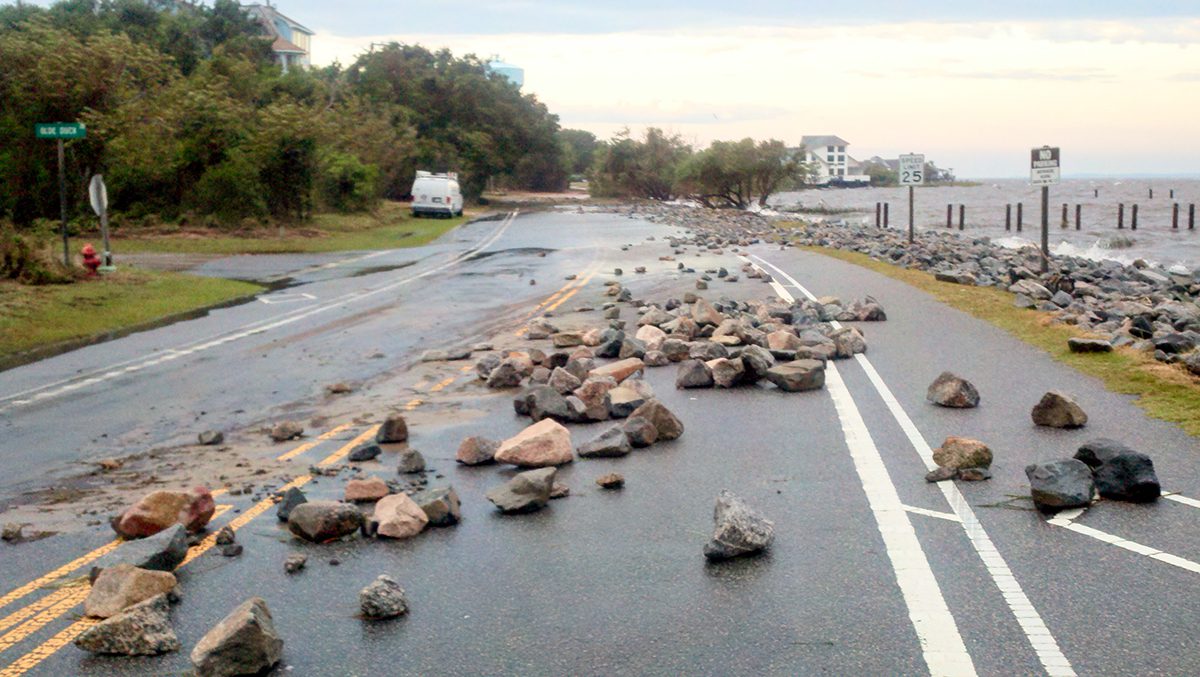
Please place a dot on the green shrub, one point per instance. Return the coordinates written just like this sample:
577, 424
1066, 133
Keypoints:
346, 184
25, 259
230, 191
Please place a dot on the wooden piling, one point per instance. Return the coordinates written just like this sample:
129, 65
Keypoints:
1078, 211
1008, 217
1020, 215
962, 216
1133, 218
1064, 217
885, 214
878, 214
1121, 216
1192, 216
1175, 216
949, 215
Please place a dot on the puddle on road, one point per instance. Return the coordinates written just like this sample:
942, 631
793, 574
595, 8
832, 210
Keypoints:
517, 250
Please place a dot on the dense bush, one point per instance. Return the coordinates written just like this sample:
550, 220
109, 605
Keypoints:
230, 191
346, 184
24, 259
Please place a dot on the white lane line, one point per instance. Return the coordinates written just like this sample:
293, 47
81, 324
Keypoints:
1066, 520
286, 297
941, 643
948, 516
64, 386
1178, 498
1043, 643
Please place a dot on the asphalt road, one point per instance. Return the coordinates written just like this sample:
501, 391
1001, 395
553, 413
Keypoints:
873, 571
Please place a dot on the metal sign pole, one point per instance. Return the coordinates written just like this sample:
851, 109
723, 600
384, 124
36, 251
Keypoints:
1045, 228
62, 202
910, 214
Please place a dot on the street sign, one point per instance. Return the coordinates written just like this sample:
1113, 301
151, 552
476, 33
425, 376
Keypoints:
60, 130
912, 170
98, 195
1043, 166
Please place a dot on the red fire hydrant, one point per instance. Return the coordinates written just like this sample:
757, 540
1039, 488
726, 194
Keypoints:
90, 260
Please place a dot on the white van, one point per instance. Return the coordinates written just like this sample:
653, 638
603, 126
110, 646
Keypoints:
436, 194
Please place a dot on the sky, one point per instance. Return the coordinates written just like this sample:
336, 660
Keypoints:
973, 85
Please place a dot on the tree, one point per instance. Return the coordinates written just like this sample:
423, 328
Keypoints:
648, 168
582, 147
733, 173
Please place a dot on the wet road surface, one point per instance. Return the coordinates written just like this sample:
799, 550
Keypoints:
873, 570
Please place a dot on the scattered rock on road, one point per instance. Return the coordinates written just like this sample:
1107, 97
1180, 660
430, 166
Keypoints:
393, 429
286, 430
411, 461
160, 509
1120, 473
383, 598
160, 552
366, 490
322, 521
143, 629
291, 498
366, 451
693, 374
668, 426
243, 643
124, 585
974, 474
477, 451
527, 492
949, 390
544, 443
11, 532
610, 443
611, 481
399, 517
640, 431
798, 375
295, 562
740, 530
440, 505
960, 453
211, 437
1058, 410
1060, 485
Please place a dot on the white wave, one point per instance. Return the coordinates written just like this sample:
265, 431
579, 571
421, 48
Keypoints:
1095, 252
1013, 242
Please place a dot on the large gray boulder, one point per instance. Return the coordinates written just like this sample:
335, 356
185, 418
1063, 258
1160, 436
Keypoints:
1120, 473
757, 361
122, 586
243, 643
321, 521
441, 506
666, 424
1058, 410
291, 498
1060, 485
739, 530
693, 374
610, 443
161, 552
393, 429
949, 390
143, 629
383, 598
527, 492
477, 451
798, 375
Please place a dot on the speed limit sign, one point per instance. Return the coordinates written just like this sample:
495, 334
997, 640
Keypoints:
912, 170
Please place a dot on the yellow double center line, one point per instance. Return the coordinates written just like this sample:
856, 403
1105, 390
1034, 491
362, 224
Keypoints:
68, 598
558, 298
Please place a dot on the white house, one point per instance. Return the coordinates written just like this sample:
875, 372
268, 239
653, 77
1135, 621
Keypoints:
830, 161
292, 43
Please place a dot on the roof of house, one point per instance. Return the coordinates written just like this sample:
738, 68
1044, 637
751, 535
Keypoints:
267, 13
283, 46
823, 140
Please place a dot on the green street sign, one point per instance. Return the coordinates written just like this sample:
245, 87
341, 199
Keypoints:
60, 130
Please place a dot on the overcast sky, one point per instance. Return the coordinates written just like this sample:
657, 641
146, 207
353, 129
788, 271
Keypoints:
973, 85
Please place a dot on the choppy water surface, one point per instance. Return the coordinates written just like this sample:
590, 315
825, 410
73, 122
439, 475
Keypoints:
1154, 240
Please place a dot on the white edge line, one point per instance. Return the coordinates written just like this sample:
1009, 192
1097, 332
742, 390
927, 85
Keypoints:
1045, 646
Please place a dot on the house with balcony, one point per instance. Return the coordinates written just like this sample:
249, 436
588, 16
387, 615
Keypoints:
291, 41
830, 161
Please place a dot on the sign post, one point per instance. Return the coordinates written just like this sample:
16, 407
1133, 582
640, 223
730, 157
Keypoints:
1044, 171
911, 174
98, 196
60, 131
